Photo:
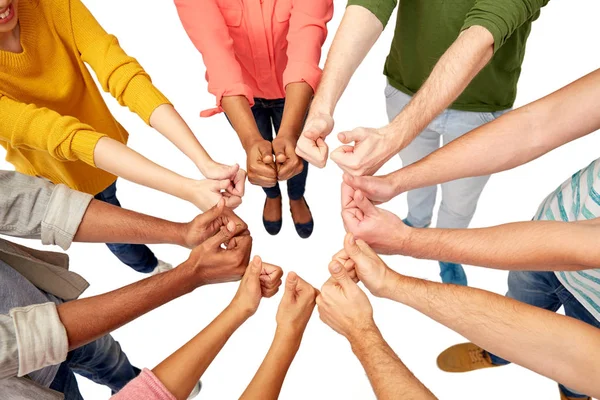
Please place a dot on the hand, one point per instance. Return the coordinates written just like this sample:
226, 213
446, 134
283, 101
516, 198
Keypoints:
343, 305
252, 290
378, 189
261, 167
296, 305
210, 263
360, 261
381, 229
372, 148
208, 224
233, 173
288, 162
270, 279
311, 144
206, 193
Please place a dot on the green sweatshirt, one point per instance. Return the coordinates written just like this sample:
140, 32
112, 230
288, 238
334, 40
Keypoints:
426, 28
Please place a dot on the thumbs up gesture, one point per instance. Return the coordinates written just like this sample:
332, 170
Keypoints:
296, 306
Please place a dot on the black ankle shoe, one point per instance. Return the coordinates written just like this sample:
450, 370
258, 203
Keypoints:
306, 229
272, 227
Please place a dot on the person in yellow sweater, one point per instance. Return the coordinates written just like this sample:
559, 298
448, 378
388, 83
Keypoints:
55, 124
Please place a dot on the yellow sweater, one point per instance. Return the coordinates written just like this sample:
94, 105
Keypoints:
51, 111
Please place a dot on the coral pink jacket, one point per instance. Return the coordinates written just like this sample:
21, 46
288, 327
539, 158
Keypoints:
255, 48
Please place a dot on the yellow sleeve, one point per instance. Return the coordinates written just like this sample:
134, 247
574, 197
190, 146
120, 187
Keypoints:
29, 127
120, 75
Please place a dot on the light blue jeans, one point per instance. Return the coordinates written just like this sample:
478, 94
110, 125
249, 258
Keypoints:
459, 198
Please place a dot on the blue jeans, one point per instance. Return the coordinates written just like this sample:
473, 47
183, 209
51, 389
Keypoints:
268, 115
544, 290
137, 256
101, 361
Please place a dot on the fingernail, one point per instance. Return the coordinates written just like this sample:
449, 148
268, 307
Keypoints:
231, 226
336, 267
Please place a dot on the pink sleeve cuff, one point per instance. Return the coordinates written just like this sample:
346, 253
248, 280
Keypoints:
239, 89
301, 72
146, 386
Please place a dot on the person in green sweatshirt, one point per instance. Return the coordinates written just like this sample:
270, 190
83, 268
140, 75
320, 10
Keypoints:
452, 66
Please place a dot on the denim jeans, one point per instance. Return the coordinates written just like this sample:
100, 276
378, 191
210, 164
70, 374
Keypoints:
459, 197
544, 290
101, 361
137, 256
268, 115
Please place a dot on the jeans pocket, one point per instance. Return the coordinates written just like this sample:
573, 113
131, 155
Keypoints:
390, 91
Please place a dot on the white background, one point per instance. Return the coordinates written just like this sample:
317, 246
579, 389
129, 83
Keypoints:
562, 47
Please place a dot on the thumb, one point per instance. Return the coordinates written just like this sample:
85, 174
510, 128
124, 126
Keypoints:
364, 204
255, 267
223, 236
219, 185
351, 136
339, 273
215, 212
291, 283
352, 249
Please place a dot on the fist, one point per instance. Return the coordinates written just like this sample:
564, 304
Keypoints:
297, 304
287, 161
262, 170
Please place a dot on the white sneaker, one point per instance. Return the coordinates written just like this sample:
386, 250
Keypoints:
161, 267
196, 390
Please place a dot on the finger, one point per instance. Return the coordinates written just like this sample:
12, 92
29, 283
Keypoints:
340, 275
341, 256
347, 196
291, 283
223, 184
354, 135
233, 202
268, 293
233, 170
345, 158
239, 183
214, 213
350, 266
223, 236
314, 131
253, 270
364, 204
230, 216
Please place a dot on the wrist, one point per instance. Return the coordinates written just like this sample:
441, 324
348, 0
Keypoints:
320, 105
289, 333
241, 311
362, 337
179, 234
250, 140
392, 138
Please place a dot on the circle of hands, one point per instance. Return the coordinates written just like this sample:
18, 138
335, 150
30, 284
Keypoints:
222, 242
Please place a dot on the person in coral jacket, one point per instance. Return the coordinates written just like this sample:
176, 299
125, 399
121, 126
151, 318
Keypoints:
262, 65
56, 125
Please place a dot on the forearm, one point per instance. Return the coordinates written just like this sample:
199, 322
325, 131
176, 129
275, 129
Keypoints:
184, 368
358, 32
297, 100
105, 223
85, 320
118, 159
390, 378
267, 383
510, 329
166, 120
471, 51
240, 115
514, 139
533, 245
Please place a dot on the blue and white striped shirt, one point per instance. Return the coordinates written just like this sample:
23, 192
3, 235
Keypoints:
578, 198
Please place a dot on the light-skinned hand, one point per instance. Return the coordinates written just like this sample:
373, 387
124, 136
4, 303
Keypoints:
262, 170
343, 305
233, 173
287, 161
207, 193
372, 148
378, 189
380, 229
361, 261
297, 305
311, 145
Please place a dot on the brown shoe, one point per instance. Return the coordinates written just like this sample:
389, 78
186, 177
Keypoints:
464, 357
565, 397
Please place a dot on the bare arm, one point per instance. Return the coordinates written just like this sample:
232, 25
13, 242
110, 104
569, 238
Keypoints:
118, 159
515, 139
471, 51
545, 342
297, 99
209, 263
259, 152
388, 375
510, 329
358, 32
533, 245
